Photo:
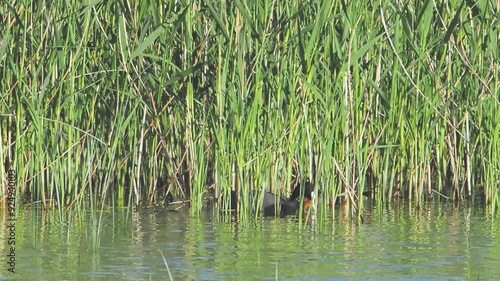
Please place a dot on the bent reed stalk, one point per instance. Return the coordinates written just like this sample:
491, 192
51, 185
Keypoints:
125, 101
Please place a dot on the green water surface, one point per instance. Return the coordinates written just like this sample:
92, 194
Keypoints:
438, 242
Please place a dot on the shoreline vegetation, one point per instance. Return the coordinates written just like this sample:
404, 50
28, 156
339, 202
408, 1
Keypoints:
123, 103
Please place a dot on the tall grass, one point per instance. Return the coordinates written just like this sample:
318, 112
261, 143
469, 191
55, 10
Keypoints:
112, 99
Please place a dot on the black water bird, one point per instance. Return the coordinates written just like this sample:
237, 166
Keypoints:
273, 205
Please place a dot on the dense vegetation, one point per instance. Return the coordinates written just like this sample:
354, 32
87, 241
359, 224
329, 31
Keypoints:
120, 102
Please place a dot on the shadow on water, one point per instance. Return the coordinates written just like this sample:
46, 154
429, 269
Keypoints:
439, 242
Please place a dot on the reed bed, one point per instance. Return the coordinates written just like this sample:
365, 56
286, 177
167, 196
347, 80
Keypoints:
123, 102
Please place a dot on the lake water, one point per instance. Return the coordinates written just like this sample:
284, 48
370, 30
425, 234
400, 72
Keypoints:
438, 242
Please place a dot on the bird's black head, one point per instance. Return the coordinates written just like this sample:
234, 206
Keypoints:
308, 191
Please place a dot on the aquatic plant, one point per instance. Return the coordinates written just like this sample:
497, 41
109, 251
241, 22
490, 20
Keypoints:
123, 102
